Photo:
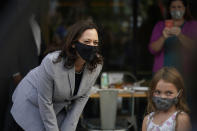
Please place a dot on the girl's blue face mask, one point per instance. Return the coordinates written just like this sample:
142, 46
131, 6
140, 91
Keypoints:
163, 104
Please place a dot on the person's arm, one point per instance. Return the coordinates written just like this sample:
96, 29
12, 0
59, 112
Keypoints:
73, 114
45, 91
15, 67
183, 122
185, 40
17, 77
159, 35
144, 123
157, 45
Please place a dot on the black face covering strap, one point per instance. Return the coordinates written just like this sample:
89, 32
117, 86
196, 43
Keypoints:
87, 52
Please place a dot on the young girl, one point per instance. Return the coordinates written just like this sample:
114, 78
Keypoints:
167, 108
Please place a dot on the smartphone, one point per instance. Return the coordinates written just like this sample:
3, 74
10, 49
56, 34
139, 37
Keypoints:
169, 23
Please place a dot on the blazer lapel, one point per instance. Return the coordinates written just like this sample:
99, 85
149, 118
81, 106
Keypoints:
71, 77
85, 81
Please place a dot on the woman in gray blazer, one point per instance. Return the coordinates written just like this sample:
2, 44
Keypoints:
52, 96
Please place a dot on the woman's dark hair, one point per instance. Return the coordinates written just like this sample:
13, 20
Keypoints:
68, 53
187, 15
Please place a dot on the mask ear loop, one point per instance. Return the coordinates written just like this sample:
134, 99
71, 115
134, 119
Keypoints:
176, 97
179, 93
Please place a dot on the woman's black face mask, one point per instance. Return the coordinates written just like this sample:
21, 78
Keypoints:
87, 52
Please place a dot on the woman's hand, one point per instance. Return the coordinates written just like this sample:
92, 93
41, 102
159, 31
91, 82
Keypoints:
17, 78
175, 31
166, 32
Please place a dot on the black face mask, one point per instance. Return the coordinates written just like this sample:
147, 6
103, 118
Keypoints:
87, 52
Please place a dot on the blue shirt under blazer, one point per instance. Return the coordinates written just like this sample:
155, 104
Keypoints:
41, 98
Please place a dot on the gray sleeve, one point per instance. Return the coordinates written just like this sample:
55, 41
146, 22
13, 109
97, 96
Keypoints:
72, 118
45, 91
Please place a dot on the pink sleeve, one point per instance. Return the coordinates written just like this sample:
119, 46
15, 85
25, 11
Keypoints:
156, 34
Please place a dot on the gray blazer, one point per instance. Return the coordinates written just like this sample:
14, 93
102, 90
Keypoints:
40, 98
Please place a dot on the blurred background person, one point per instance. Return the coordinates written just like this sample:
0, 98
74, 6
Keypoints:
173, 39
20, 51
